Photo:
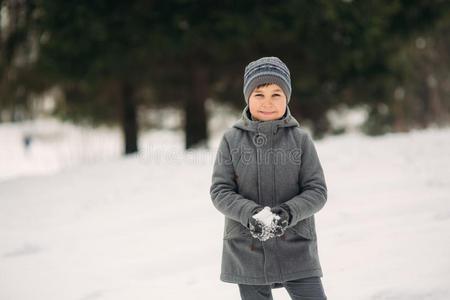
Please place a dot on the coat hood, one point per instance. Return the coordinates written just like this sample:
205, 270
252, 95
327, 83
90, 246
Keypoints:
247, 123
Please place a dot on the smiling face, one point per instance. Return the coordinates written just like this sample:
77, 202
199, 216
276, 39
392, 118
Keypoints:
267, 102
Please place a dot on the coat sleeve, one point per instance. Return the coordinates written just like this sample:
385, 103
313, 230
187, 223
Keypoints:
223, 189
313, 188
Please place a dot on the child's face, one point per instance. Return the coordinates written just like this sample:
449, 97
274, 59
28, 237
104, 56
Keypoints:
267, 103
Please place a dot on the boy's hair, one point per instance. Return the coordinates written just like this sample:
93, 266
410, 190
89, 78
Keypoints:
263, 84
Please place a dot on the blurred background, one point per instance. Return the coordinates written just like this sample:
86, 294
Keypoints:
111, 113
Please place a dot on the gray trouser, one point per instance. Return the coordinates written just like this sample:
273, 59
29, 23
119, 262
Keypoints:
300, 289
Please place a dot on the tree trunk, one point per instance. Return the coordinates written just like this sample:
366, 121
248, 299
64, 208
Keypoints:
195, 112
128, 116
399, 116
438, 110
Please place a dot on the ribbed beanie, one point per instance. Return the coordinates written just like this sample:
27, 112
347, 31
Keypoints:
267, 70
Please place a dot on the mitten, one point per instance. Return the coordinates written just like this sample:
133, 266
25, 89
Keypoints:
256, 227
262, 224
284, 219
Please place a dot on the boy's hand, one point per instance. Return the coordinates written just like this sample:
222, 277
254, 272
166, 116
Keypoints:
257, 229
254, 225
282, 223
260, 231
251, 219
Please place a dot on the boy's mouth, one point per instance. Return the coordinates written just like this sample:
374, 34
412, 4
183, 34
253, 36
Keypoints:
267, 112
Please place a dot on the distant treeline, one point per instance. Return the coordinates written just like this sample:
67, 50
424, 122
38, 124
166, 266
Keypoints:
107, 59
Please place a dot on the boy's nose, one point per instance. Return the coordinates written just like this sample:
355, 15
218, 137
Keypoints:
267, 102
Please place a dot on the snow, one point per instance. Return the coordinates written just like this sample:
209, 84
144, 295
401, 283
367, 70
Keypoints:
86, 224
265, 216
269, 228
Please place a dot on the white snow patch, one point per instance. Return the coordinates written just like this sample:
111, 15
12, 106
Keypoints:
266, 216
133, 228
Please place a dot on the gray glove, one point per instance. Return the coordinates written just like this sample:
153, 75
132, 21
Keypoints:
283, 222
257, 229
253, 223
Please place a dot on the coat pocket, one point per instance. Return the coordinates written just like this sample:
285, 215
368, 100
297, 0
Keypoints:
234, 229
305, 228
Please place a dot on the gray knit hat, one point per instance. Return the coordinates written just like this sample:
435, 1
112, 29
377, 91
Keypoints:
267, 70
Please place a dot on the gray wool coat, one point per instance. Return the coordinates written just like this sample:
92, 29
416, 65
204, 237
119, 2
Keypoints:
268, 163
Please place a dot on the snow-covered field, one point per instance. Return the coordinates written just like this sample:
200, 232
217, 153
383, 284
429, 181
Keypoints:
143, 227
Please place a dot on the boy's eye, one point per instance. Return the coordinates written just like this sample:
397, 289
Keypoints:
258, 95
276, 95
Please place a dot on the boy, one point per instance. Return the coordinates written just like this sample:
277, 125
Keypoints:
266, 160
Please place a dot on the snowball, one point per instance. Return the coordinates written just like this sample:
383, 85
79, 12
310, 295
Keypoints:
266, 216
269, 224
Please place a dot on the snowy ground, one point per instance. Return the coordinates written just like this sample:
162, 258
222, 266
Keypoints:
144, 227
